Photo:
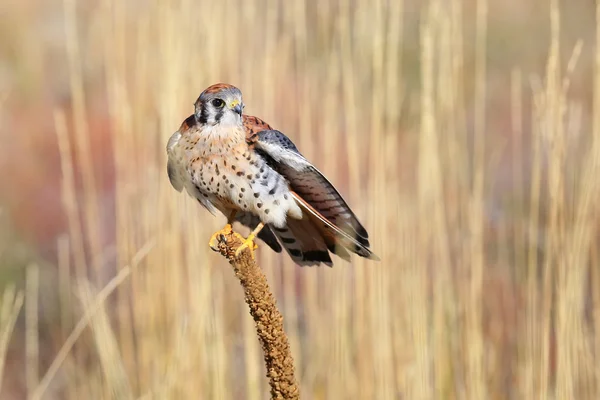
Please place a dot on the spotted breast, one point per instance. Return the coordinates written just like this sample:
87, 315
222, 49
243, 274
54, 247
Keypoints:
217, 167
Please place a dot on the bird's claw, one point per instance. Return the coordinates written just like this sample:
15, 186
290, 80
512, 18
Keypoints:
247, 243
219, 236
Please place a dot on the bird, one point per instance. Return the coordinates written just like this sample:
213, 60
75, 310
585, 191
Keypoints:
238, 165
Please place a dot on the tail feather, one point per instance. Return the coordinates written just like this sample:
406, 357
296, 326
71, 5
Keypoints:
303, 243
340, 252
309, 240
337, 240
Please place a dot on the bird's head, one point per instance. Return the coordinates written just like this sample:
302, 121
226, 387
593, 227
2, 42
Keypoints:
220, 104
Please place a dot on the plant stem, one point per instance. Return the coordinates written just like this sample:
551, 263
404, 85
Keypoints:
268, 319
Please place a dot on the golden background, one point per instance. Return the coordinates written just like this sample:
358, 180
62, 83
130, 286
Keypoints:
464, 134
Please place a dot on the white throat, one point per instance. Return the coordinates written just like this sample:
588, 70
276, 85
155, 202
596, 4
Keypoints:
218, 132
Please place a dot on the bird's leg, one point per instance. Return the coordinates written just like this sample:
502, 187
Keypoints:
249, 241
214, 239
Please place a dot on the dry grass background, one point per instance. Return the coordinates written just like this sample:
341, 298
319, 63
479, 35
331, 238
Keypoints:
464, 134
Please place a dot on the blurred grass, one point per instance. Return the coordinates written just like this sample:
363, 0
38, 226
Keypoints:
464, 134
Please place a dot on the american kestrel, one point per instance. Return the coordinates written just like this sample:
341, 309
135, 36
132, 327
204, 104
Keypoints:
237, 164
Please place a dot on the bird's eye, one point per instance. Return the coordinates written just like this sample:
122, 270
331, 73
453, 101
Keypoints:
218, 103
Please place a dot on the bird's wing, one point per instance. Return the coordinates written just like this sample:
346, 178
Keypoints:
313, 192
174, 177
253, 125
172, 170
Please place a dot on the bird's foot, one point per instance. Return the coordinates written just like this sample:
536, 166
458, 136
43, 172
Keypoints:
246, 243
226, 231
214, 239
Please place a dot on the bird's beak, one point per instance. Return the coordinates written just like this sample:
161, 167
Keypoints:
236, 106
238, 109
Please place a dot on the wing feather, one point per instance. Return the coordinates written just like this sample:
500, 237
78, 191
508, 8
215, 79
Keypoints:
328, 230
312, 190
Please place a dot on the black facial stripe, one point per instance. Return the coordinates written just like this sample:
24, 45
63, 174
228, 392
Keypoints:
203, 118
219, 115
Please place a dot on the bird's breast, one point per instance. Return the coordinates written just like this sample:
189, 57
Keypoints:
222, 172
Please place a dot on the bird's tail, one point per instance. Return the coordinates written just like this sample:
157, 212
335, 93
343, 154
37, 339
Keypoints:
303, 242
338, 241
309, 240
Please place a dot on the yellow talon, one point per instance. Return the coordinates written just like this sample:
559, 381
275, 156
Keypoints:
214, 239
247, 243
